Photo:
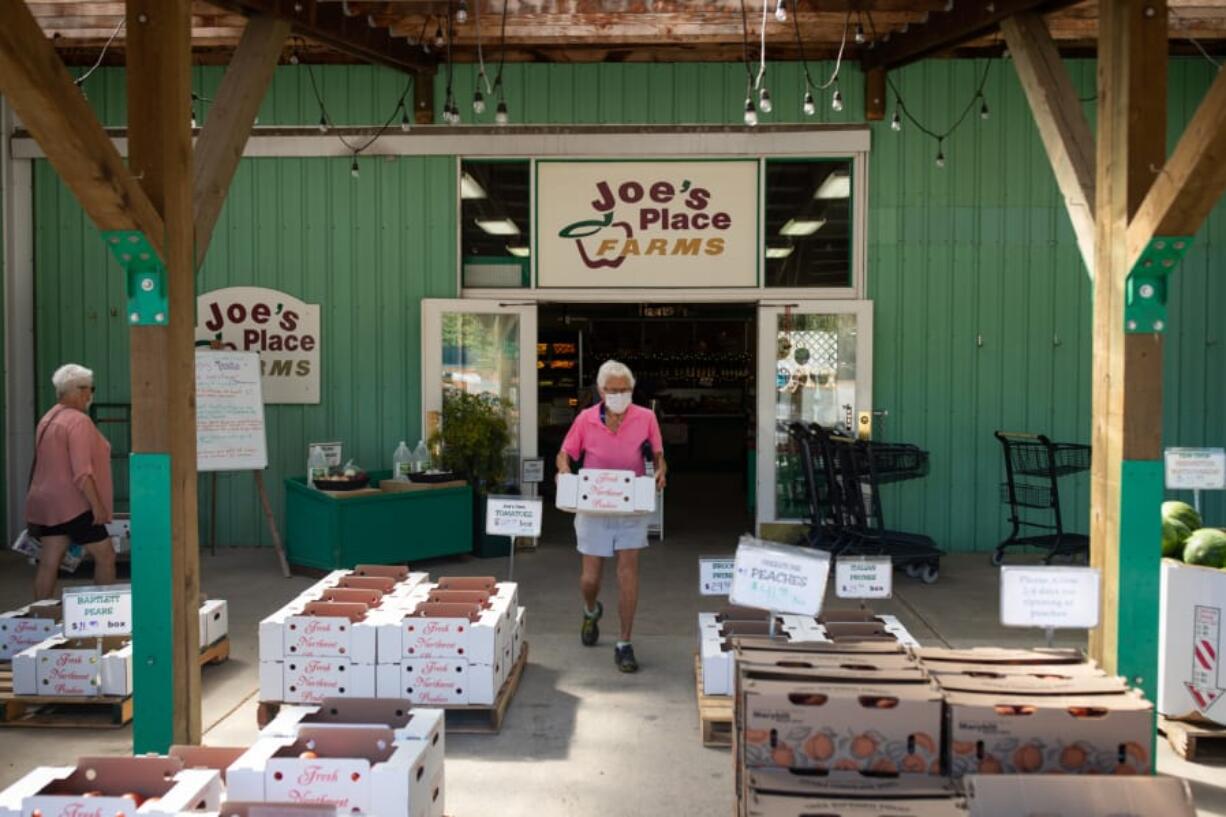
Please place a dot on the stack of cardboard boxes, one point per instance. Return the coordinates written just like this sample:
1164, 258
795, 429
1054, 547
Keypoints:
384, 632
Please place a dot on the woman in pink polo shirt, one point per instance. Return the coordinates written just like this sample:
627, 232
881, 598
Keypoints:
612, 434
70, 497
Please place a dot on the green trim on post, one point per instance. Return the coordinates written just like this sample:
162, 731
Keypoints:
1141, 493
1145, 294
152, 598
146, 276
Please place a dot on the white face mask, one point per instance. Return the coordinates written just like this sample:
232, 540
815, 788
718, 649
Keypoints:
617, 403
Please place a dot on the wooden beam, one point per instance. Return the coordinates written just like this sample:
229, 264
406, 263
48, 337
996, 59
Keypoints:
423, 98
165, 573
1191, 182
1062, 123
39, 88
948, 29
230, 119
874, 95
615, 8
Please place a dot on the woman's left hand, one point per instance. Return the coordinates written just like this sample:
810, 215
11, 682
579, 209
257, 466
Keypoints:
660, 481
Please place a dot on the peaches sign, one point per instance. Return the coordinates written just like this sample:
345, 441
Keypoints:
647, 224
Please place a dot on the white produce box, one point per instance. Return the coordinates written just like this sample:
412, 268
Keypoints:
176, 789
26, 626
74, 668
214, 621
1191, 641
407, 723
519, 635
403, 636
429, 681
606, 491
311, 680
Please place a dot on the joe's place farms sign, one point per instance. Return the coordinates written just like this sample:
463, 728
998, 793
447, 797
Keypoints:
647, 224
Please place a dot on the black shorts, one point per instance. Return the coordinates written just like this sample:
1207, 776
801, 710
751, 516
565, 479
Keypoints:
80, 530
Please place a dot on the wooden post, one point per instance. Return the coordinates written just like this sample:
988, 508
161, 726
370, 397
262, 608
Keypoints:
166, 550
423, 97
874, 94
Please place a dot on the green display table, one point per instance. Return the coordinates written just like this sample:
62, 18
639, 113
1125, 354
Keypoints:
329, 531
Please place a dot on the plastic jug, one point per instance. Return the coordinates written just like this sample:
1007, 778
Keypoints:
402, 463
317, 465
421, 458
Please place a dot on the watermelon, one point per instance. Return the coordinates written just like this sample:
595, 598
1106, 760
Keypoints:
1182, 512
1174, 535
1206, 547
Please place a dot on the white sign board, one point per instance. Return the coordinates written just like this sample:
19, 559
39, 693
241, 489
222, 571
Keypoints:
332, 452
98, 611
864, 577
779, 578
532, 471
281, 328
646, 224
1196, 469
229, 412
1055, 597
513, 516
715, 575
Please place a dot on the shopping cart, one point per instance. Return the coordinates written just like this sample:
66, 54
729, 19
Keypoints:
827, 527
1033, 468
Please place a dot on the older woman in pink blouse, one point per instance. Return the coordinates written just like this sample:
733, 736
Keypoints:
70, 499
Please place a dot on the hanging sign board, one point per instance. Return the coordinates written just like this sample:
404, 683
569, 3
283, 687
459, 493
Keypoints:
715, 575
513, 516
864, 577
1050, 597
1196, 469
281, 328
646, 224
229, 412
779, 578
97, 611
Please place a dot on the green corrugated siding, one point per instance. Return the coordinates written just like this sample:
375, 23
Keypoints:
982, 305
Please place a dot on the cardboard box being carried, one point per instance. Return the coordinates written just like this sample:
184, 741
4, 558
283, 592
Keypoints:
1056, 796
75, 667
112, 787
607, 492
1191, 640
26, 626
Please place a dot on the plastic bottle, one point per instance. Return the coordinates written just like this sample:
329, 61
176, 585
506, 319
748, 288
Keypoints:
421, 458
402, 463
317, 465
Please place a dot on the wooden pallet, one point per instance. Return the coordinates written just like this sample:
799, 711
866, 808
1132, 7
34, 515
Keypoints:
216, 653
714, 713
471, 719
102, 711
1194, 741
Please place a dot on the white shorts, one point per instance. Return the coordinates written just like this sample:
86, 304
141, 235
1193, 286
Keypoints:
602, 535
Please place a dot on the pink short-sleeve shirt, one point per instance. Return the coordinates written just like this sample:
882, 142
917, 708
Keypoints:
589, 437
70, 449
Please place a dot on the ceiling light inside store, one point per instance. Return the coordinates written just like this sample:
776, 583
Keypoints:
835, 186
470, 188
779, 252
519, 252
498, 226
802, 226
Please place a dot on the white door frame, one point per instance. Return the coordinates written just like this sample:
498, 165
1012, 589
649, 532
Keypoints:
432, 311
768, 313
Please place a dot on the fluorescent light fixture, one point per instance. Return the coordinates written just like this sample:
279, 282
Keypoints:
779, 252
835, 186
519, 252
470, 188
799, 226
497, 226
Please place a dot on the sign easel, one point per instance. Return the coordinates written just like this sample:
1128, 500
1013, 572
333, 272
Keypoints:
230, 429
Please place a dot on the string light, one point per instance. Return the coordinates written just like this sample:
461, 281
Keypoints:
983, 108
439, 42
751, 113
353, 168
940, 153
859, 36
461, 13
764, 101
478, 102
501, 115
836, 101
896, 122
809, 106
405, 123
323, 119
781, 11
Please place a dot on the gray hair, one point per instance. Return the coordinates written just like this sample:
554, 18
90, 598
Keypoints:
612, 368
69, 376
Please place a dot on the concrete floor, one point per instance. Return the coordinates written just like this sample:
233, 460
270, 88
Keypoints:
580, 738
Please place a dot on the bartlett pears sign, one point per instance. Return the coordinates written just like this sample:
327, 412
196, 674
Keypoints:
647, 224
283, 329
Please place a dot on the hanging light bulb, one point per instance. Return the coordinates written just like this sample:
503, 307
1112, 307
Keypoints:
293, 58
859, 34
478, 102
836, 101
439, 42
896, 122
781, 11
405, 123
810, 107
940, 156
323, 121
353, 168
751, 113
425, 47
461, 14
500, 113
764, 100
983, 108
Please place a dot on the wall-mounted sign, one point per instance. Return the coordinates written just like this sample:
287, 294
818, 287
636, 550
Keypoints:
647, 224
283, 329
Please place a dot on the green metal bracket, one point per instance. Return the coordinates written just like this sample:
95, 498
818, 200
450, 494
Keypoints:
1145, 295
146, 276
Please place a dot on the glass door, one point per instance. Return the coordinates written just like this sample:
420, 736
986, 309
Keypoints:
815, 365
482, 347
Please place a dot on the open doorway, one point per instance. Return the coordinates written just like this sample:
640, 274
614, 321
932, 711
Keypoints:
694, 365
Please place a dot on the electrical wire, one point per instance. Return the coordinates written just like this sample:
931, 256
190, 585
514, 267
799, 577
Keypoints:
481, 76
502, 56
762, 47
1196, 43
745, 44
355, 148
941, 137
838, 60
102, 53
800, 47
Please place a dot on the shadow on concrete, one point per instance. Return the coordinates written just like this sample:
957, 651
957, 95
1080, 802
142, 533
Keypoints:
539, 724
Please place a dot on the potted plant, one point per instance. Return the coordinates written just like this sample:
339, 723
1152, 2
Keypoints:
472, 441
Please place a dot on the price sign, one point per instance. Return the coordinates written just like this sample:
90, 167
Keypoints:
532, 471
332, 453
98, 611
715, 575
864, 577
1049, 597
513, 516
1196, 469
780, 578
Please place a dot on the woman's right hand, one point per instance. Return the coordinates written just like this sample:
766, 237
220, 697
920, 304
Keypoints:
101, 517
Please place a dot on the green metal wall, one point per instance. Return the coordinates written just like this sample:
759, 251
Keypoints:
982, 306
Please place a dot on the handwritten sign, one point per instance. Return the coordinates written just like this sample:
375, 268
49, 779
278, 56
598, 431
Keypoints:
1196, 469
1055, 597
513, 516
532, 470
332, 452
229, 412
864, 577
98, 611
715, 575
780, 578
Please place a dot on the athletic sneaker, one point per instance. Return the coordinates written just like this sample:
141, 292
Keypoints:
589, 633
624, 658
